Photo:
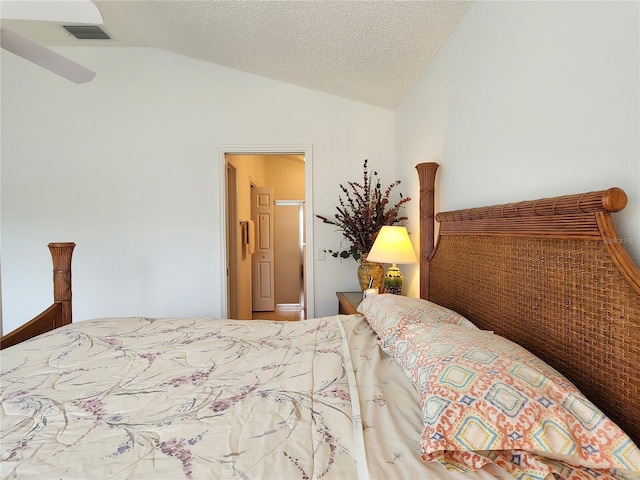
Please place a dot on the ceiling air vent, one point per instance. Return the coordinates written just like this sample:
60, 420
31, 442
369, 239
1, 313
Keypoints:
87, 32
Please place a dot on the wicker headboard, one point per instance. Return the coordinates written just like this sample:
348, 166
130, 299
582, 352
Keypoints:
551, 275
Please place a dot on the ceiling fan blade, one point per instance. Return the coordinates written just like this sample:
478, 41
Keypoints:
69, 11
56, 63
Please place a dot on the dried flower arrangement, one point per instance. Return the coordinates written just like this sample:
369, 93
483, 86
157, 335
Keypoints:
363, 211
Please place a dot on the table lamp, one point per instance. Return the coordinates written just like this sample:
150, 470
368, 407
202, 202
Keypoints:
393, 246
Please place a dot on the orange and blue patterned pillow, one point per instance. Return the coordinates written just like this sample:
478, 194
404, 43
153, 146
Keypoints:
485, 399
389, 314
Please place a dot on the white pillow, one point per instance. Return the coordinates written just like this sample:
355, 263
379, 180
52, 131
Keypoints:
388, 314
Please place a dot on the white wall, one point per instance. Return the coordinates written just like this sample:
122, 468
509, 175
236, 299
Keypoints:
528, 100
525, 99
127, 167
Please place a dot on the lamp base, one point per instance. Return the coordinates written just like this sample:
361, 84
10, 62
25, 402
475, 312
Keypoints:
393, 280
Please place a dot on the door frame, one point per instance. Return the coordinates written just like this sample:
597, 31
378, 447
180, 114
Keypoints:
231, 240
305, 150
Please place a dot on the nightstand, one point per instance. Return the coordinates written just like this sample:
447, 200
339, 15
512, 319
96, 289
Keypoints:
348, 302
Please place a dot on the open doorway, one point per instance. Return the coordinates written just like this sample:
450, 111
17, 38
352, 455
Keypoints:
287, 171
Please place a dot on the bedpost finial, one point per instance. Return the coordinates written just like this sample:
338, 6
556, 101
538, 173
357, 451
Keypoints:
427, 177
614, 199
61, 253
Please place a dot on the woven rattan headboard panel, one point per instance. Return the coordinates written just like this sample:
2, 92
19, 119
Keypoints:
553, 276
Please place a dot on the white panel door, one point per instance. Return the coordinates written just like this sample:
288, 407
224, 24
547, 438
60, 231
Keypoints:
262, 265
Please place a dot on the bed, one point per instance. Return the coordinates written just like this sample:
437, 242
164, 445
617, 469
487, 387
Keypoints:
525, 307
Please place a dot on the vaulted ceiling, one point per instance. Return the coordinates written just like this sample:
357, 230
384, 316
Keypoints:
368, 51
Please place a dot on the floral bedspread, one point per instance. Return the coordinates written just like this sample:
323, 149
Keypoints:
132, 398
178, 398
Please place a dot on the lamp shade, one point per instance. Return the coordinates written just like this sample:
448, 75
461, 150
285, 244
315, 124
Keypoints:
392, 245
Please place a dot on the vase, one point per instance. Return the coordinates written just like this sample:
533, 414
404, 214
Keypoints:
370, 270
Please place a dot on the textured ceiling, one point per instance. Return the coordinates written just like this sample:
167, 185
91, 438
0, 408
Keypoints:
368, 51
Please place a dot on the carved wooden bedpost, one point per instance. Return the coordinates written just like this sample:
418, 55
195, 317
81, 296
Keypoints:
61, 255
427, 176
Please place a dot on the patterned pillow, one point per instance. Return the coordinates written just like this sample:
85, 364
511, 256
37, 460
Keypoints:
485, 399
388, 313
